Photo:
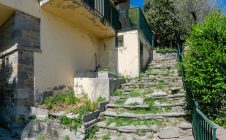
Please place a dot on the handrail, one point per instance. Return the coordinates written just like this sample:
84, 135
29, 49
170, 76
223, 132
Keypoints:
203, 128
137, 20
106, 10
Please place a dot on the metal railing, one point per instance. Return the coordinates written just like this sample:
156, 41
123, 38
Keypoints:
106, 10
202, 127
137, 20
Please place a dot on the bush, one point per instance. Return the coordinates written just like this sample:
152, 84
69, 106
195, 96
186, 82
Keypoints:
205, 66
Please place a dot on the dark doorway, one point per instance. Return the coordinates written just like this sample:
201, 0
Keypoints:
141, 56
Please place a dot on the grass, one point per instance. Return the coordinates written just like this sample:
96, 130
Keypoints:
133, 93
71, 123
91, 132
117, 93
106, 136
160, 86
67, 101
134, 104
119, 102
127, 121
165, 50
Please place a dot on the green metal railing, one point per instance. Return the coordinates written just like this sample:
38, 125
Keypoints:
105, 9
202, 127
137, 20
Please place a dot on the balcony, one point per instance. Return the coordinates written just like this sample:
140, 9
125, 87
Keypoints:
106, 10
100, 17
135, 19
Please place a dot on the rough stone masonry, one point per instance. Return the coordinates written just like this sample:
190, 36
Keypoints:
19, 40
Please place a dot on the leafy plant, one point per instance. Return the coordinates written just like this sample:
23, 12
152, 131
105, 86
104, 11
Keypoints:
205, 64
101, 99
66, 137
91, 132
71, 123
66, 97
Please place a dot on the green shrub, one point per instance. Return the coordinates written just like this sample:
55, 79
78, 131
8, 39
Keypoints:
205, 65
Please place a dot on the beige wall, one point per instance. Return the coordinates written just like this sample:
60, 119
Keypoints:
93, 87
30, 7
108, 56
129, 54
66, 47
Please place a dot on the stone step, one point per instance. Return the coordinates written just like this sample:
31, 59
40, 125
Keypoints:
107, 134
171, 105
128, 128
128, 106
148, 116
179, 95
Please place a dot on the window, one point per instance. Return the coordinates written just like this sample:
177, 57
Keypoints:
120, 41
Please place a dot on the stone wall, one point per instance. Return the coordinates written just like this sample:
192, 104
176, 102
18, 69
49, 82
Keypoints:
20, 38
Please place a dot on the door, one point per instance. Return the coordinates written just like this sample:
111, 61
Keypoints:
141, 56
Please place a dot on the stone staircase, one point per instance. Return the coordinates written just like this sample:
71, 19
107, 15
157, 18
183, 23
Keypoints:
151, 107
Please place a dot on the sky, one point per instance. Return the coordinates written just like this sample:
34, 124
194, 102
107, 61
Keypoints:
140, 3
136, 3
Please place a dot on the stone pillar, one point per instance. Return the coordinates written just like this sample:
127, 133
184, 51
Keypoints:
20, 39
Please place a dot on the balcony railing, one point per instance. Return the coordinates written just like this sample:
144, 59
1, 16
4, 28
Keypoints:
137, 20
106, 10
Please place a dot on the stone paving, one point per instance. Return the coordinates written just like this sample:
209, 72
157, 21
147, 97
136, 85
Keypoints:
151, 107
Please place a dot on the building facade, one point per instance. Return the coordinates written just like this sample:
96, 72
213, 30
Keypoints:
46, 44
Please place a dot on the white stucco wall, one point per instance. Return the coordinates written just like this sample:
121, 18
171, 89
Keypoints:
129, 54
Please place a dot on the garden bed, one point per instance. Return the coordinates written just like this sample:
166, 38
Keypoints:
74, 113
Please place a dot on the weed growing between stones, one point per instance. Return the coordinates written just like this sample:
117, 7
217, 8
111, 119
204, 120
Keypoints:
91, 132
72, 123
107, 136
166, 50
127, 121
67, 101
117, 93
66, 137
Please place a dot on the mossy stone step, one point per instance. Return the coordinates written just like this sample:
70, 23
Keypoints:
128, 128
148, 116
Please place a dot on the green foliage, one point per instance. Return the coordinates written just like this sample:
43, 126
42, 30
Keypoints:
71, 123
205, 65
101, 99
66, 137
107, 136
88, 107
91, 132
66, 97
161, 16
165, 50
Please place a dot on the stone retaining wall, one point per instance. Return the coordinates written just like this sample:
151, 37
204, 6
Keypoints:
20, 38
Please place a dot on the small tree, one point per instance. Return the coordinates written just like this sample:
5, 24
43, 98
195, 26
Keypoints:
205, 65
161, 16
